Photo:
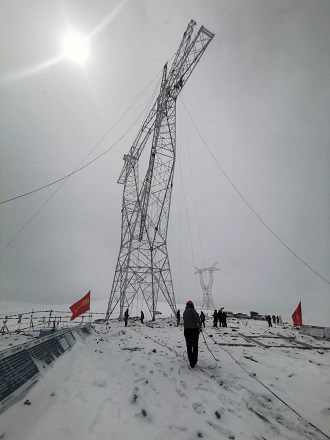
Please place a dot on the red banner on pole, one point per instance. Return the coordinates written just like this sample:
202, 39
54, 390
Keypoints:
297, 316
81, 306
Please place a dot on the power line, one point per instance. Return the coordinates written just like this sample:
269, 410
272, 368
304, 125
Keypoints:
67, 177
194, 192
247, 203
95, 146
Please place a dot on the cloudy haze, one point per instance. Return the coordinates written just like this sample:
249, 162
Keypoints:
260, 97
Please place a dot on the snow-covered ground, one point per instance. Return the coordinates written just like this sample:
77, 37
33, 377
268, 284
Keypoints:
135, 382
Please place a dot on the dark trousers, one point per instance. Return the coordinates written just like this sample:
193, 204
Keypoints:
125, 319
191, 335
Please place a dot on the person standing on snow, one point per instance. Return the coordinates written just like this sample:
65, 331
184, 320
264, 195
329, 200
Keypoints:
224, 319
215, 319
202, 318
142, 317
192, 324
178, 317
269, 319
220, 317
126, 317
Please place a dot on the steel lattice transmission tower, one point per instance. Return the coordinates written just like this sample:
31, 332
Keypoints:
206, 279
143, 266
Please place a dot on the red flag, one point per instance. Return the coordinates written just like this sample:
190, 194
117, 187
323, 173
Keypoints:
81, 306
297, 316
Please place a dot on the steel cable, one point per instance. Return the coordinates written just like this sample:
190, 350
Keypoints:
247, 203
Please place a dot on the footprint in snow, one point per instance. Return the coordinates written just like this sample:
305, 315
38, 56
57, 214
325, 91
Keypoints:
135, 395
141, 379
201, 387
100, 383
134, 398
198, 408
180, 392
150, 385
180, 428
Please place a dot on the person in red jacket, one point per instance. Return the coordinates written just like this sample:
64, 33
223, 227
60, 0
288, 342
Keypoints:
191, 322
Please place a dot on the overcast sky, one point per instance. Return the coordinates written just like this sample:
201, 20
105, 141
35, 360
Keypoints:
260, 97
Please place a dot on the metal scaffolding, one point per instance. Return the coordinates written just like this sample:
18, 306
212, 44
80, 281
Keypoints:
143, 265
206, 279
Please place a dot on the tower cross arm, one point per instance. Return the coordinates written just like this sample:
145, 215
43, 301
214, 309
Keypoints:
183, 68
134, 154
141, 139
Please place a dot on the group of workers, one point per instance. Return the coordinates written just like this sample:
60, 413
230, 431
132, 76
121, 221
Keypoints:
220, 317
126, 315
275, 319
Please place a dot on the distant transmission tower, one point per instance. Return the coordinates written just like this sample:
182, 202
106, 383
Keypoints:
206, 279
143, 265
